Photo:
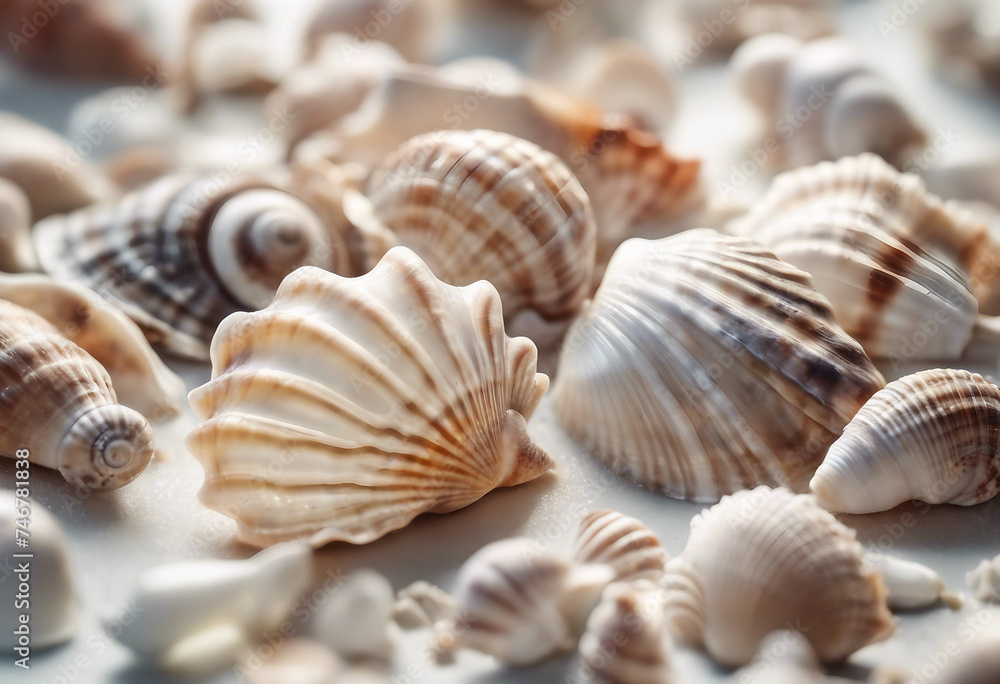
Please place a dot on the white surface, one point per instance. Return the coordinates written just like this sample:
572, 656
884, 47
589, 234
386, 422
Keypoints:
158, 518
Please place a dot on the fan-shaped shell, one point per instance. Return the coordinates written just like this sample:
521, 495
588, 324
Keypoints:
483, 205
767, 559
705, 365
622, 542
932, 436
57, 403
182, 254
893, 259
350, 406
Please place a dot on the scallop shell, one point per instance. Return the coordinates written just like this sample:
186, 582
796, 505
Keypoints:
182, 254
912, 585
729, 23
626, 641
894, 260
705, 365
520, 604
483, 205
141, 380
16, 251
622, 542
57, 403
379, 398
784, 657
768, 559
930, 436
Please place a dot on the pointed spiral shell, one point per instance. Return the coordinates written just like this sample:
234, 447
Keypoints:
932, 436
622, 542
59, 405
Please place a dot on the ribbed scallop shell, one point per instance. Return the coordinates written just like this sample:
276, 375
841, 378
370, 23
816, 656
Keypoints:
893, 259
350, 406
626, 641
57, 402
622, 542
705, 365
182, 254
767, 559
483, 205
932, 436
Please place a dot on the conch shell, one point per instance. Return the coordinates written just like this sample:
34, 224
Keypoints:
59, 406
350, 406
901, 268
16, 251
930, 436
768, 559
705, 365
621, 542
182, 254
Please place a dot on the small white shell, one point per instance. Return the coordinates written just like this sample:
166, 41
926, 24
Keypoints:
626, 641
767, 559
623, 543
912, 585
931, 436
422, 604
174, 605
984, 581
53, 609
784, 657
356, 621
17, 254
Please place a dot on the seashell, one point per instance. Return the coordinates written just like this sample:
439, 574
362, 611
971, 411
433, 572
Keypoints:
182, 254
729, 24
58, 404
16, 252
627, 173
356, 621
929, 436
825, 100
298, 660
765, 376
626, 641
48, 170
966, 37
784, 657
177, 607
53, 616
912, 585
488, 206
894, 260
979, 661
409, 386
768, 559
155, 125
520, 604
141, 380
984, 581
411, 28
140, 166
422, 605
624, 543
232, 56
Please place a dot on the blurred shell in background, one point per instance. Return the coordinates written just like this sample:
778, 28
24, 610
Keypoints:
17, 253
784, 657
966, 34
730, 22
625, 544
705, 365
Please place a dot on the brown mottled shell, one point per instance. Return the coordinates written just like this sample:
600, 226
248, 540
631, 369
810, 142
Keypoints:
624, 543
705, 365
57, 403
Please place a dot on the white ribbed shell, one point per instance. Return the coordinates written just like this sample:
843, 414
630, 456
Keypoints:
622, 542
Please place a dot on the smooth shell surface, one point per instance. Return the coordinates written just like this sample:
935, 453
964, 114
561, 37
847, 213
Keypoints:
705, 365
59, 405
932, 436
622, 542
784, 657
379, 398
16, 251
767, 559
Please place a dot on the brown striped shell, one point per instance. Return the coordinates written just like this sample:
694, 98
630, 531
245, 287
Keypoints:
932, 436
622, 542
57, 403
705, 365
180, 255
898, 265
349, 406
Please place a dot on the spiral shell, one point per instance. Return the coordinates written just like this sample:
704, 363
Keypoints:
894, 260
931, 436
768, 559
58, 404
379, 398
182, 254
705, 365
622, 542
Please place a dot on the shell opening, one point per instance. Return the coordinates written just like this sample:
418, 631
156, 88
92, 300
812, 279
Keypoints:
106, 448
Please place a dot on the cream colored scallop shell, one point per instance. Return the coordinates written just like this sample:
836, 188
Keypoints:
350, 406
896, 262
622, 542
182, 254
58, 404
932, 436
767, 559
705, 365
